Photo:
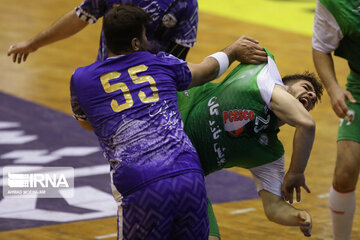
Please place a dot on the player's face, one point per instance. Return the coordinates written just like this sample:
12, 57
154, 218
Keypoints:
303, 91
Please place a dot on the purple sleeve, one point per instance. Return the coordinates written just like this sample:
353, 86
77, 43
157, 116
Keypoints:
180, 69
91, 10
186, 29
78, 113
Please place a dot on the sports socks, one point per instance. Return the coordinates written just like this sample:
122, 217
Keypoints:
342, 209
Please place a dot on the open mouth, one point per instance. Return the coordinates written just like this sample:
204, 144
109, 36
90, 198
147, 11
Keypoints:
305, 102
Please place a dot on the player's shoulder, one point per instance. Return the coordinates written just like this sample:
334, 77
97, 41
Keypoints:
169, 58
85, 70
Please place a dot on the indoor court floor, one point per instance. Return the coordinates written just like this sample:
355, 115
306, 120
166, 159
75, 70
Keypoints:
36, 127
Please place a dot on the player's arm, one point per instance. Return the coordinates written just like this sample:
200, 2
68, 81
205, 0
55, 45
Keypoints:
289, 110
85, 124
325, 68
279, 211
78, 113
66, 26
326, 38
245, 50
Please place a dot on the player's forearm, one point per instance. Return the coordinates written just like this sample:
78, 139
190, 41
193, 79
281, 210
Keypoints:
203, 72
302, 145
213, 66
245, 49
63, 28
325, 68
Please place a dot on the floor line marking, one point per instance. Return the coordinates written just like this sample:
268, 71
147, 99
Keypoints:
240, 211
106, 236
326, 195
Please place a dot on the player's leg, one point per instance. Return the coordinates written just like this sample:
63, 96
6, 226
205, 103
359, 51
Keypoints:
281, 212
191, 221
268, 179
342, 200
171, 208
147, 213
214, 233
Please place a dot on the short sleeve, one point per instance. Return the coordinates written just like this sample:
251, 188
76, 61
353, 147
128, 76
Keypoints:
181, 71
326, 31
91, 10
267, 79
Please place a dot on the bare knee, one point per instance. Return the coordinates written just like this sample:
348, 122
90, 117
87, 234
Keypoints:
347, 166
345, 177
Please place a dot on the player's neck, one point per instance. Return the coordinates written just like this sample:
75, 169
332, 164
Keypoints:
111, 54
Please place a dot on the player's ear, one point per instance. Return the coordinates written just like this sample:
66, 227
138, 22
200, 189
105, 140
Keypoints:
135, 44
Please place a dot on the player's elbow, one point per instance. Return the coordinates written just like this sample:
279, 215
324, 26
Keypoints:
86, 125
308, 124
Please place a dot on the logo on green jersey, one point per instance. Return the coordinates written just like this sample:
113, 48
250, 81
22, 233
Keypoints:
235, 120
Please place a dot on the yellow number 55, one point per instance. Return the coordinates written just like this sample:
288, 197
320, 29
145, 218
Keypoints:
129, 102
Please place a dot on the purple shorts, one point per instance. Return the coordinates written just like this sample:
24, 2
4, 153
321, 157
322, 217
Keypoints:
171, 208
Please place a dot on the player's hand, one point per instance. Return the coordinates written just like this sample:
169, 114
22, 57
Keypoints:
305, 223
293, 181
338, 97
247, 50
20, 51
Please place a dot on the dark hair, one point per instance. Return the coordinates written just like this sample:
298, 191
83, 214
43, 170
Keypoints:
122, 24
310, 77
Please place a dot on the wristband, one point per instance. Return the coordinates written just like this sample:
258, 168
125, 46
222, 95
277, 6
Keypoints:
223, 60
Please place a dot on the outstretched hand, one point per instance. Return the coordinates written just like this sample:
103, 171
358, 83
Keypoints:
20, 51
293, 181
305, 223
248, 51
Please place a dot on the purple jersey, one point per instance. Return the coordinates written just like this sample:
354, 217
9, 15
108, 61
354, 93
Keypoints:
179, 19
131, 103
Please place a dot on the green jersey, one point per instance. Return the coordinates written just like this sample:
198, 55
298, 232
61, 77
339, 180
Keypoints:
231, 123
347, 15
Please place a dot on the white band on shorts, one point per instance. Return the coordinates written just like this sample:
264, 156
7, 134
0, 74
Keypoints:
223, 61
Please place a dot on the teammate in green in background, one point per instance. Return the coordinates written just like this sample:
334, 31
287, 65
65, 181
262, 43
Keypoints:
337, 29
236, 122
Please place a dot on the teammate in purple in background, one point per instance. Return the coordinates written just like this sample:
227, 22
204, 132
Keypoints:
173, 26
130, 102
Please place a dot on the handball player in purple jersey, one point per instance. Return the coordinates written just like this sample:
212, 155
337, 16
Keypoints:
173, 26
129, 100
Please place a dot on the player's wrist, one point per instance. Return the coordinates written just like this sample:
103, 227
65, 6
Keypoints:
333, 88
223, 61
296, 171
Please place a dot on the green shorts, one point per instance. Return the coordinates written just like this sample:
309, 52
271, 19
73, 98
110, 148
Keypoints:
351, 131
213, 226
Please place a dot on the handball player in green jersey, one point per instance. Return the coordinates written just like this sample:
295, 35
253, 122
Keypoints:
336, 29
236, 122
